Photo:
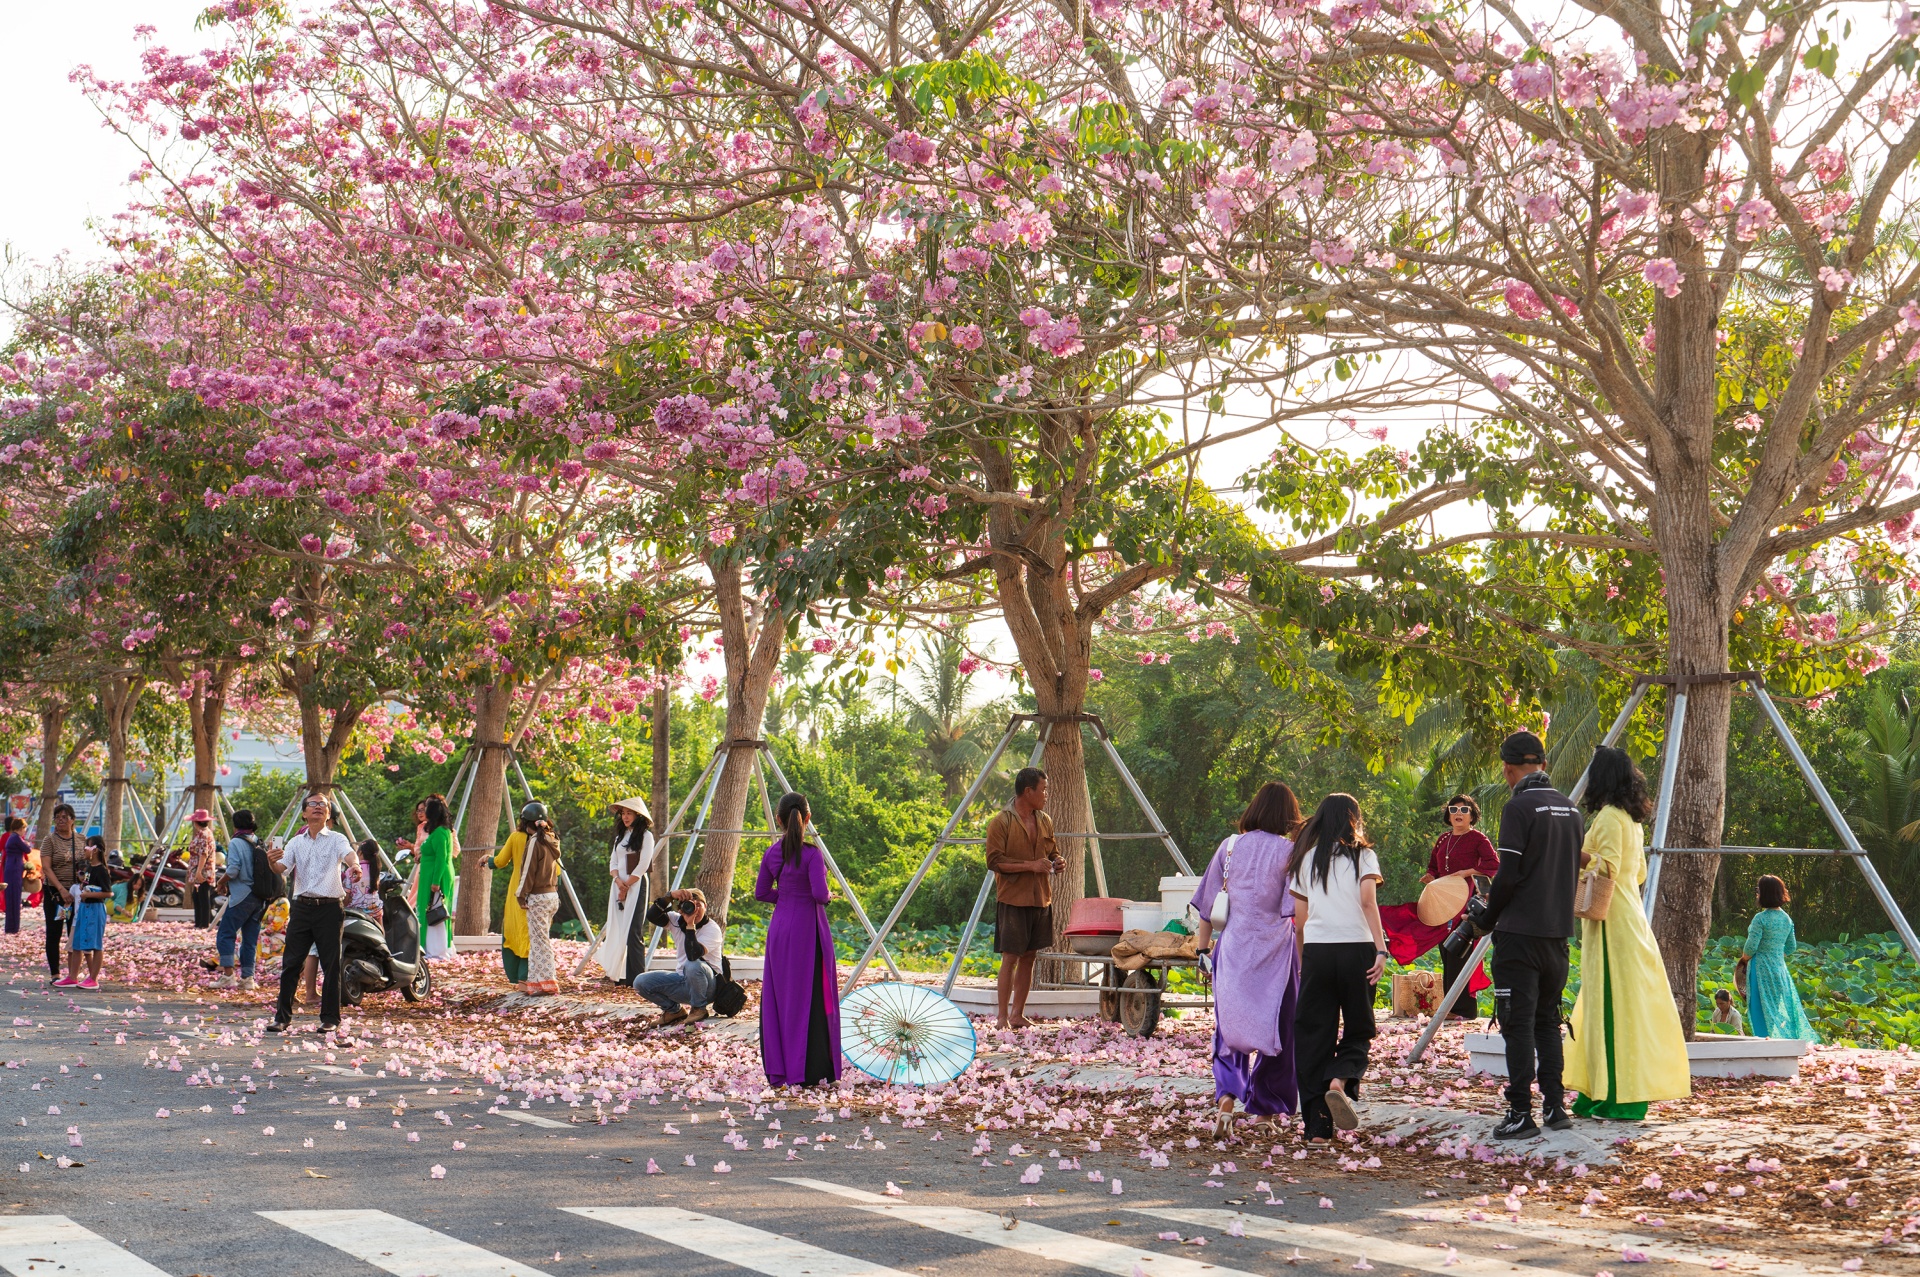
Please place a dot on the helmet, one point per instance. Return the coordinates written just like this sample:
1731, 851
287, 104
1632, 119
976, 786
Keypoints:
390, 883
532, 812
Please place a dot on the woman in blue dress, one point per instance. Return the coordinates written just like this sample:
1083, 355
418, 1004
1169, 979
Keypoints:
1773, 1004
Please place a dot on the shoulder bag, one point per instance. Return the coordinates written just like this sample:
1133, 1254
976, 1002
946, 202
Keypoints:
1217, 915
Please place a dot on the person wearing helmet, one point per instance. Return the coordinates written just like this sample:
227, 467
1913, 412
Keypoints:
435, 869
512, 856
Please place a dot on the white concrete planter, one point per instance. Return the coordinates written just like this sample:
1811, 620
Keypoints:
1042, 1004
1714, 1055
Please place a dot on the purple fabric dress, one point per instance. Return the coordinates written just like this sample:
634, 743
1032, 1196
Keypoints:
800, 986
1256, 975
13, 872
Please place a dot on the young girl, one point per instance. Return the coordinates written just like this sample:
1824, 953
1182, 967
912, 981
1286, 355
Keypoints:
1334, 875
90, 919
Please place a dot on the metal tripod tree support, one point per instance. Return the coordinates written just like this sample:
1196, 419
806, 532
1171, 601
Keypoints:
469, 772
947, 839
162, 849
705, 786
1663, 812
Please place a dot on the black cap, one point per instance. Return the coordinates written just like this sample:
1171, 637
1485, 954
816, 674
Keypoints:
1521, 748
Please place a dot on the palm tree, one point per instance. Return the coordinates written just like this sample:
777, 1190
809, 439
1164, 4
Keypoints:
957, 737
1887, 818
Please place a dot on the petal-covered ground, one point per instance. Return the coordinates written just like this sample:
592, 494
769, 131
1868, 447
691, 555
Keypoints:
1829, 1157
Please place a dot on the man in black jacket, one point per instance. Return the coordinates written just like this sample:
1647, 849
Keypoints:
1529, 909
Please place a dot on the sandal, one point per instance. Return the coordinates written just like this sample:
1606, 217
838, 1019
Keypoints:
1344, 1116
1222, 1125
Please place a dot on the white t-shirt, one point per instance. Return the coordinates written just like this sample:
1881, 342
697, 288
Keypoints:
1334, 915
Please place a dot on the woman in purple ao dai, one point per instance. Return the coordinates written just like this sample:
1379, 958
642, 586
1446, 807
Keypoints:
1256, 973
800, 985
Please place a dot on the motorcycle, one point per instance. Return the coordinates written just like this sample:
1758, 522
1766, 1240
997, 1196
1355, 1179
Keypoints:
375, 961
172, 893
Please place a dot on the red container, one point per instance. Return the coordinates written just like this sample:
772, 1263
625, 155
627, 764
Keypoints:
1095, 916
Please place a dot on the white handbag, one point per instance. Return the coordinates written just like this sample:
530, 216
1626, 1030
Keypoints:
1217, 915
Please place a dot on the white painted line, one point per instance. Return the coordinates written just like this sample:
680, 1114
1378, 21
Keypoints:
988, 1229
534, 1119
399, 1246
1338, 1241
737, 1244
54, 1243
1572, 1234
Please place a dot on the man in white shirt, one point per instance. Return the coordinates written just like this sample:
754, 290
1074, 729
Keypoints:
311, 860
696, 940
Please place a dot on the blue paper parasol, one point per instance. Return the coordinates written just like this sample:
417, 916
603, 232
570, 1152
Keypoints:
905, 1033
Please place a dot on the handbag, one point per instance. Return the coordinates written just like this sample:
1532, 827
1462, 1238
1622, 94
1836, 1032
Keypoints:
1592, 897
729, 996
436, 908
1217, 915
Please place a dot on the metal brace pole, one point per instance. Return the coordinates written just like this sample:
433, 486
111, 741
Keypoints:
349, 811
1485, 942
1139, 796
714, 768
933, 853
1838, 821
986, 884
158, 855
826, 854
1663, 811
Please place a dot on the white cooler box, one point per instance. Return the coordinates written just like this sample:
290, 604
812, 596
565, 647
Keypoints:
1176, 893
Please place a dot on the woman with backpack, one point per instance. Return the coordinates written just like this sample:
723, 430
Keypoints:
252, 885
1334, 875
800, 985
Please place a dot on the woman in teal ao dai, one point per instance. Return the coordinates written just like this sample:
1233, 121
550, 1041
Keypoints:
1773, 1003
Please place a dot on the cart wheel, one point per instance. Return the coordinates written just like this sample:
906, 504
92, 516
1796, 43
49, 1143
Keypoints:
1109, 995
1140, 1013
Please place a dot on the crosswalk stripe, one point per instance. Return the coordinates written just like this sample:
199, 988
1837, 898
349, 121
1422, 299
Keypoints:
1341, 1242
48, 1240
534, 1119
738, 1244
1571, 1234
399, 1246
1027, 1237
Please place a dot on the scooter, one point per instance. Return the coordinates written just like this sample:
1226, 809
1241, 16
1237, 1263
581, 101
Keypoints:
374, 962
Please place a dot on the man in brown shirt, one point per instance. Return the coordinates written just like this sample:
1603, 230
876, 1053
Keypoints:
1021, 854
63, 858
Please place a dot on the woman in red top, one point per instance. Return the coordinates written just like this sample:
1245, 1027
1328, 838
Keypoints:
1465, 852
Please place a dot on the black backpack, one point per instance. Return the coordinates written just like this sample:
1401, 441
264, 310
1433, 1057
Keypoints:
269, 884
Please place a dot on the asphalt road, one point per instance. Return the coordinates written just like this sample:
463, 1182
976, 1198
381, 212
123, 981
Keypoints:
269, 1169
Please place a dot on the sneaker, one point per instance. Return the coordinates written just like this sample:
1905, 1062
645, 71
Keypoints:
226, 982
65, 982
1344, 1117
1554, 1117
248, 984
279, 1026
698, 1014
89, 984
670, 1017
1517, 1125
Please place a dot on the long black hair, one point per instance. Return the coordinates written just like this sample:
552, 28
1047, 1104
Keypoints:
1334, 829
436, 814
792, 816
635, 831
1613, 781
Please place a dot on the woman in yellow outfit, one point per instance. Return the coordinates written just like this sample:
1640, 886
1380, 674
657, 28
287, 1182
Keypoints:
1627, 1047
514, 939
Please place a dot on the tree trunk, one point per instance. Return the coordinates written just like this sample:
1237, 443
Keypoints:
660, 795
119, 694
752, 636
480, 833
206, 709
53, 723
324, 736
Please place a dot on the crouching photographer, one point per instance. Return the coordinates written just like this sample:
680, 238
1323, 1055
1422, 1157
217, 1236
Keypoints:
685, 992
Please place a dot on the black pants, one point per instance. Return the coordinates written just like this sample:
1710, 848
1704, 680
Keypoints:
51, 898
312, 924
1332, 1026
1529, 975
203, 905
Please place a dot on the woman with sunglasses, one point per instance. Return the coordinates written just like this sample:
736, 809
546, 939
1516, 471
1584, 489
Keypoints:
1464, 852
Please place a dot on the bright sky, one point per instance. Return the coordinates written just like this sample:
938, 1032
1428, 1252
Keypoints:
65, 167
